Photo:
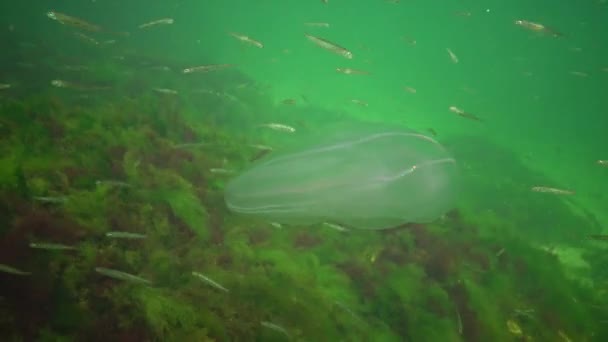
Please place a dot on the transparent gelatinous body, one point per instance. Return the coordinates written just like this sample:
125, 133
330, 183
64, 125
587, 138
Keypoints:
370, 178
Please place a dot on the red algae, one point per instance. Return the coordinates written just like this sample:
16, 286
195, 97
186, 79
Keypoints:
306, 240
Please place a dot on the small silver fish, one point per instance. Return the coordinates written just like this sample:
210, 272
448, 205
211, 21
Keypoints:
87, 39
114, 183
335, 226
246, 39
78, 23
279, 127
579, 73
51, 199
464, 114
108, 272
329, 46
603, 162
75, 67
163, 21
209, 281
190, 145
350, 71
126, 235
537, 27
76, 86
51, 246
410, 90
452, 55
359, 102
166, 91
317, 24
221, 171
206, 68
4, 86
11, 270
261, 147
275, 327
555, 191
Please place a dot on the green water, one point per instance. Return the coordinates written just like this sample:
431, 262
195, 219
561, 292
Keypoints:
132, 144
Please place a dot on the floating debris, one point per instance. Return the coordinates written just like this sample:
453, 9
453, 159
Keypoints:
275, 327
11, 270
51, 246
108, 272
163, 21
209, 281
126, 235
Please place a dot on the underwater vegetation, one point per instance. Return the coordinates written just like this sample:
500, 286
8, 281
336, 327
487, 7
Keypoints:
185, 268
114, 227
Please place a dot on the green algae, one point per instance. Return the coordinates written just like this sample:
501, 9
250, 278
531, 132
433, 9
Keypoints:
179, 195
169, 318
